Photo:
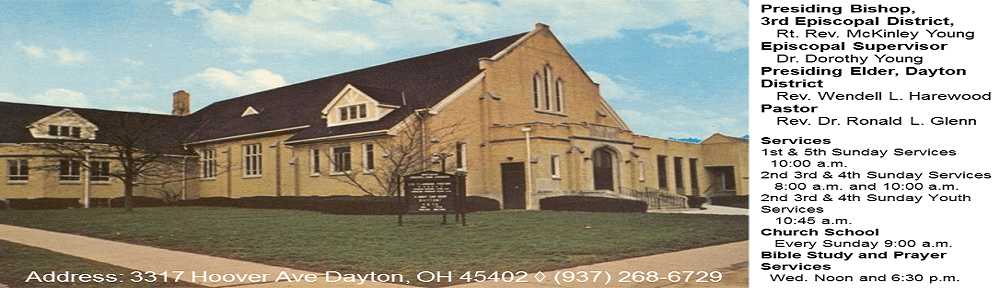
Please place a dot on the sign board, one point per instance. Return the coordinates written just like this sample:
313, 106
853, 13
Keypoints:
432, 192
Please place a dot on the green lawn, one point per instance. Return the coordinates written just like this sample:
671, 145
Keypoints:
493, 241
18, 261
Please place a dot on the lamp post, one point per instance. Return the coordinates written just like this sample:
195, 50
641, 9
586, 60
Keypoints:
86, 177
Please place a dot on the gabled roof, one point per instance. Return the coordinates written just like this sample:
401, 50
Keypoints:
411, 84
165, 131
422, 81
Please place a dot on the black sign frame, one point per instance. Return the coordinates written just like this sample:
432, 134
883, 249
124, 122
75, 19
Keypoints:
432, 193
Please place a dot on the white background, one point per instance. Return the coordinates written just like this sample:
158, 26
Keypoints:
970, 227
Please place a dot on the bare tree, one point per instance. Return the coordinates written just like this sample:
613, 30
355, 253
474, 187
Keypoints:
139, 151
411, 149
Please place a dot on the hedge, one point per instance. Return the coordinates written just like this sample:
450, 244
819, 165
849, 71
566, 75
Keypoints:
357, 205
592, 204
3, 204
44, 203
696, 201
137, 201
732, 201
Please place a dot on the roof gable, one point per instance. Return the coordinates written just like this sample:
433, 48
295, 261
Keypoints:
410, 84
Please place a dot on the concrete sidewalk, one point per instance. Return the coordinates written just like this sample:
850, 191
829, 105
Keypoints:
709, 209
727, 258
143, 258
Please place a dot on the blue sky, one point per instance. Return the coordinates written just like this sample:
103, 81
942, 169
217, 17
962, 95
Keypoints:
672, 68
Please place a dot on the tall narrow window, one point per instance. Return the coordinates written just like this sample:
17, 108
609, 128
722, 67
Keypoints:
17, 170
536, 89
100, 171
369, 160
548, 88
343, 114
559, 95
460, 161
362, 111
69, 170
252, 160
341, 159
314, 160
642, 171
53, 130
661, 171
207, 163
554, 166
74, 132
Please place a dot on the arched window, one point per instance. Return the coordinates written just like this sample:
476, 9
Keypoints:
536, 87
548, 87
559, 95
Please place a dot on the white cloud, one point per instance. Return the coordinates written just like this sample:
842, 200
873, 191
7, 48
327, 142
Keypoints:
239, 82
667, 40
31, 50
616, 88
132, 62
67, 56
61, 55
352, 26
680, 121
179, 7
54, 96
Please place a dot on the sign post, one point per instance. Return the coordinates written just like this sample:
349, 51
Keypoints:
432, 192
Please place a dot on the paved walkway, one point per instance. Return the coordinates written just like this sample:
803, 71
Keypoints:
727, 258
709, 209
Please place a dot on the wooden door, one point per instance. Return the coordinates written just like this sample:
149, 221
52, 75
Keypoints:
512, 178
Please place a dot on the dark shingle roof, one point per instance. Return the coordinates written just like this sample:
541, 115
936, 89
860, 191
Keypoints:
163, 133
413, 83
424, 80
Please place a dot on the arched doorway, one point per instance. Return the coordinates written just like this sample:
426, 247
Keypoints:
604, 177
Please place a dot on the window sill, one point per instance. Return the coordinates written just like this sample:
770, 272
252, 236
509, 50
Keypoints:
556, 177
207, 179
344, 173
560, 114
252, 176
92, 182
17, 182
315, 175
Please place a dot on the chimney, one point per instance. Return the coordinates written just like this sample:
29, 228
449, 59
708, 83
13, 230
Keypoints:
182, 103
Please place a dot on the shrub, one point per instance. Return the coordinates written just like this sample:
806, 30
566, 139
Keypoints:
361, 205
209, 201
44, 203
99, 202
696, 201
592, 204
479, 203
137, 201
3, 204
731, 201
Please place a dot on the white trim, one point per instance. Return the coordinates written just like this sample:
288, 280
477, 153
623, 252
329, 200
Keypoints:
555, 164
249, 112
364, 157
246, 135
507, 50
333, 159
335, 137
612, 111
458, 92
315, 160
